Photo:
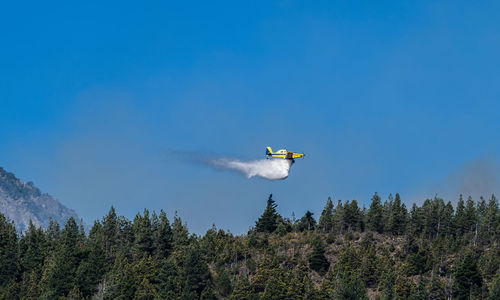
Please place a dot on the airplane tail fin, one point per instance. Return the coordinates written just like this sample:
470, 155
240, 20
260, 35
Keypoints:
269, 151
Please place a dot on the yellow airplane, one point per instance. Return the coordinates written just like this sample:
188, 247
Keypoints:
283, 153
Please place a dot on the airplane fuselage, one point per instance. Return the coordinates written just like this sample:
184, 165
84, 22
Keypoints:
283, 153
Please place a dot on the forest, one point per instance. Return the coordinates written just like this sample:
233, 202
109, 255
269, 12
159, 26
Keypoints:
435, 250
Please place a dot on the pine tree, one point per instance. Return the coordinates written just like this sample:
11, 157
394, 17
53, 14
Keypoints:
195, 270
387, 284
296, 288
180, 233
223, 282
436, 289
33, 288
470, 215
419, 291
143, 235
8, 251
349, 286
242, 290
92, 268
459, 220
208, 293
61, 277
146, 291
490, 218
32, 248
352, 216
495, 289
268, 222
326, 219
397, 217
317, 259
370, 266
164, 236
275, 288
402, 287
338, 218
467, 277
110, 232
375, 215
307, 222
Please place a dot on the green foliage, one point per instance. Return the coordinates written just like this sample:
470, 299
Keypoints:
397, 217
375, 215
275, 288
468, 280
268, 222
495, 289
242, 289
307, 222
346, 286
223, 283
8, 251
430, 252
326, 222
317, 259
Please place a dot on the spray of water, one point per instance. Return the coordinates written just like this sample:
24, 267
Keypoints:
272, 169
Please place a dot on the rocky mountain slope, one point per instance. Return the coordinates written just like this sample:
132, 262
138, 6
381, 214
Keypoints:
22, 201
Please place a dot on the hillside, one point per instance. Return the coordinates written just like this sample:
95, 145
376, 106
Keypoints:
22, 201
433, 251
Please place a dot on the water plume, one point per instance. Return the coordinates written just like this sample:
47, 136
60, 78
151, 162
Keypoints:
271, 169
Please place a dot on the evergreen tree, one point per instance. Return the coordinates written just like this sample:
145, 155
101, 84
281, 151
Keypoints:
242, 290
402, 287
75, 294
33, 247
268, 222
397, 217
460, 220
296, 288
489, 223
470, 215
8, 251
164, 236
208, 293
317, 259
180, 233
436, 289
61, 277
375, 215
467, 277
326, 219
110, 227
495, 289
223, 283
146, 291
349, 286
352, 216
369, 266
91, 269
307, 222
143, 235
419, 291
195, 270
338, 218
387, 284
275, 288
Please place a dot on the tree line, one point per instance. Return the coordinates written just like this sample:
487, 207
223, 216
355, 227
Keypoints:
386, 251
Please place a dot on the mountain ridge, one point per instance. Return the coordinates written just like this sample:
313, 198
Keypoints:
22, 201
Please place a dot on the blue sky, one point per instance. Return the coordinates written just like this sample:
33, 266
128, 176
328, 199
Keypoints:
393, 96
